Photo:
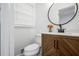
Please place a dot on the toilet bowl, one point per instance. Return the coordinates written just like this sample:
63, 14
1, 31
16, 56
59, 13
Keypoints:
31, 50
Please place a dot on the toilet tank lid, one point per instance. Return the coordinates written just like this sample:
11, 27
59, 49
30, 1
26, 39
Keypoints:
31, 47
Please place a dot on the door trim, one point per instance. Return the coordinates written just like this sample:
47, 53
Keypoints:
7, 24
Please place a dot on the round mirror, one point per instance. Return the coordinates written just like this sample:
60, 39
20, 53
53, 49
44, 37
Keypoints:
62, 13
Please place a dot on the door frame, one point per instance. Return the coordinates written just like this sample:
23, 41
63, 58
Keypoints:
7, 29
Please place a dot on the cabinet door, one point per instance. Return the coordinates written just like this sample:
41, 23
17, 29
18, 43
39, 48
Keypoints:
69, 46
48, 45
58, 46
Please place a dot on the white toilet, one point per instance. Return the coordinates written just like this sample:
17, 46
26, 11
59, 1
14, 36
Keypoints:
34, 48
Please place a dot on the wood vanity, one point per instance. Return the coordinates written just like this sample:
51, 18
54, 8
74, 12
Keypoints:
60, 44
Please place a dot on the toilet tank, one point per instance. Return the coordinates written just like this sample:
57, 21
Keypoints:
38, 39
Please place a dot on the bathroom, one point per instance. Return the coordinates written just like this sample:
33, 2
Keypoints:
28, 30
30, 33
26, 34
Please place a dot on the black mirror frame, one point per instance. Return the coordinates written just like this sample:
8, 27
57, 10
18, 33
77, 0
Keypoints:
63, 23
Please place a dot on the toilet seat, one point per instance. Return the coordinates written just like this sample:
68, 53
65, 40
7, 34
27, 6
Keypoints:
31, 47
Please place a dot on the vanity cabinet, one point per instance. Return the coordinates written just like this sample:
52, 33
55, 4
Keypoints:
48, 45
60, 45
69, 46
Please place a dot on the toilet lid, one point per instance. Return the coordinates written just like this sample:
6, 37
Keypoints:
31, 47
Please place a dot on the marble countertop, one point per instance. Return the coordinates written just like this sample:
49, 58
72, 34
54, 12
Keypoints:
67, 34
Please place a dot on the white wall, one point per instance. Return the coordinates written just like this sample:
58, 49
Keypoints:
42, 21
0, 29
24, 26
24, 14
23, 36
0, 39
73, 26
41, 18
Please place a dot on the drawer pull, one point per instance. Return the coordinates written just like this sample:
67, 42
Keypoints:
57, 45
54, 43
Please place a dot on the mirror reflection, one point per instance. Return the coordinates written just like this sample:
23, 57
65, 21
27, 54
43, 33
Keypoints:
61, 13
